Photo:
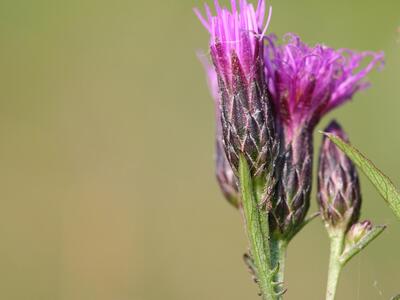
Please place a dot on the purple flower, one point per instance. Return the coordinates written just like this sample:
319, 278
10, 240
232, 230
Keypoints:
270, 95
307, 82
236, 47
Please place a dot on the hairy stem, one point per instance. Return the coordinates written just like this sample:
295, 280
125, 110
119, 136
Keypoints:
278, 256
335, 265
257, 228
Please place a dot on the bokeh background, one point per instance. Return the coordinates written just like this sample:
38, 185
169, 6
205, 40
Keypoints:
107, 187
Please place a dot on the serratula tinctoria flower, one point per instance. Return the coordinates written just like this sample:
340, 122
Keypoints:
237, 52
305, 84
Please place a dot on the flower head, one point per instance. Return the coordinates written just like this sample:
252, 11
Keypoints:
339, 195
245, 110
307, 82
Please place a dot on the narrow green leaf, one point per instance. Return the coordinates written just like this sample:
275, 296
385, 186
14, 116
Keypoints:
396, 297
381, 182
356, 248
257, 231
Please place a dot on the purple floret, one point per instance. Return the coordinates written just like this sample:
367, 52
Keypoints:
237, 33
307, 82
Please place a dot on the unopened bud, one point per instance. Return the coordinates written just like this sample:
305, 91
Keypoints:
339, 195
291, 199
357, 232
226, 178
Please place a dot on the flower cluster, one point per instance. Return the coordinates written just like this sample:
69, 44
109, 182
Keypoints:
269, 97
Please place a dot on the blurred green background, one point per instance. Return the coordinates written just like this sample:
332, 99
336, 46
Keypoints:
106, 153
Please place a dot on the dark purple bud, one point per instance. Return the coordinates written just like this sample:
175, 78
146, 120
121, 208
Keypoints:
225, 176
339, 195
291, 200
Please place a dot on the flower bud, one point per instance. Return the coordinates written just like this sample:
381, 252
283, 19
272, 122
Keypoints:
357, 232
339, 195
292, 196
226, 178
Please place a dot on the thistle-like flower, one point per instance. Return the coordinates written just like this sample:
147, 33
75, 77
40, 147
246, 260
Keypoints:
236, 47
305, 83
339, 195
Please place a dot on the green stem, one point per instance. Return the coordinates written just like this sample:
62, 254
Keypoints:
335, 265
278, 256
